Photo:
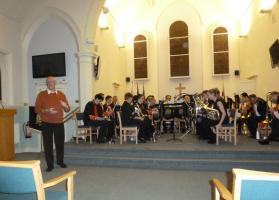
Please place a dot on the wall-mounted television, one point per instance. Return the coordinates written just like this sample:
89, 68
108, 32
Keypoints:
49, 65
274, 53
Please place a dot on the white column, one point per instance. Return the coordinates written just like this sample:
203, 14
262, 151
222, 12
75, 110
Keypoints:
86, 60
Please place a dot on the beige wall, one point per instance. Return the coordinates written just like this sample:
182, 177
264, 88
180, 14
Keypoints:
112, 67
200, 23
254, 50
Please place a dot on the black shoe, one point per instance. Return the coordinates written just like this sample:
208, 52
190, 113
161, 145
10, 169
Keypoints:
62, 165
142, 140
49, 169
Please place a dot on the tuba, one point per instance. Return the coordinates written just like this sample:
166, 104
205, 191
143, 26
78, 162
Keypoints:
202, 110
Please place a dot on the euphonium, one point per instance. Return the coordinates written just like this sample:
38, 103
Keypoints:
203, 110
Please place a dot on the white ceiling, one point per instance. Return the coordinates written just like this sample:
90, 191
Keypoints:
233, 9
16, 9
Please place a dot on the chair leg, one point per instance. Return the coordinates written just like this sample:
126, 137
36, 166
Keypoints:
125, 136
217, 136
136, 137
120, 134
90, 137
235, 137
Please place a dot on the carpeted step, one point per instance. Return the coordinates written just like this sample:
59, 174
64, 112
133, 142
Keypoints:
172, 159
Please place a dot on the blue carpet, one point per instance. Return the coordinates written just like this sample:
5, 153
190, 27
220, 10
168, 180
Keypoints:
201, 160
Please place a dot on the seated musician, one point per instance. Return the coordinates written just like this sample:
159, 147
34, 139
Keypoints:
108, 107
94, 116
130, 118
143, 112
244, 110
114, 101
274, 136
257, 114
206, 124
168, 99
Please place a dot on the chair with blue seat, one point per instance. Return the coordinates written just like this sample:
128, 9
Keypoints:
23, 180
249, 185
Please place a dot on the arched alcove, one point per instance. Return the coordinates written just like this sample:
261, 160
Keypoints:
33, 25
54, 36
179, 11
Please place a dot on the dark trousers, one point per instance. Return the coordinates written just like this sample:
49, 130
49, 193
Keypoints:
252, 124
203, 128
141, 126
57, 131
274, 129
106, 129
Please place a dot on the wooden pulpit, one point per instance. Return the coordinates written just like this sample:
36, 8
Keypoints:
7, 146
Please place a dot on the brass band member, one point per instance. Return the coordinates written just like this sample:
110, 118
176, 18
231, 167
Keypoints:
275, 117
168, 99
50, 105
94, 116
220, 105
108, 107
244, 110
147, 122
130, 117
257, 114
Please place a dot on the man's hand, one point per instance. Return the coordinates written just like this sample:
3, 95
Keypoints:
51, 111
65, 106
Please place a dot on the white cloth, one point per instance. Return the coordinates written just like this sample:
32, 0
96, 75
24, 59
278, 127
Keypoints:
256, 110
276, 114
51, 92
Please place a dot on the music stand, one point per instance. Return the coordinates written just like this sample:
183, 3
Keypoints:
174, 114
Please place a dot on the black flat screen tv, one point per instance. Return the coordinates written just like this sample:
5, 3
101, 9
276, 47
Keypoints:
274, 53
49, 65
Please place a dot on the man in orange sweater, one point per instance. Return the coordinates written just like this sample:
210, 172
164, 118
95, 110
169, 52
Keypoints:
50, 105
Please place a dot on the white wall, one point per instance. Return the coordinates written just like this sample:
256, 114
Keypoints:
10, 45
54, 36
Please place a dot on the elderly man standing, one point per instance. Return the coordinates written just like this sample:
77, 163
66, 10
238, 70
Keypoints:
50, 105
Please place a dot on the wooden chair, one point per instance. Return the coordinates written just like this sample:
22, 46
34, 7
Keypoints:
227, 132
23, 180
249, 185
82, 130
125, 131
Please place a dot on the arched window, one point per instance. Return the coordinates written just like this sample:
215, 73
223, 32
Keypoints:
140, 57
179, 49
221, 50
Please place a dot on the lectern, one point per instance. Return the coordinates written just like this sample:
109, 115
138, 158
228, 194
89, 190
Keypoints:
7, 146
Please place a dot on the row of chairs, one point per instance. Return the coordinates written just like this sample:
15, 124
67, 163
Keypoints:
87, 131
23, 180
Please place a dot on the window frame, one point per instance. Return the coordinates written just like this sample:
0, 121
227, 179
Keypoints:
216, 52
183, 54
138, 58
